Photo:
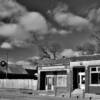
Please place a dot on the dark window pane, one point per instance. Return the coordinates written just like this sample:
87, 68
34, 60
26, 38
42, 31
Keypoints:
83, 79
93, 69
98, 78
94, 78
98, 68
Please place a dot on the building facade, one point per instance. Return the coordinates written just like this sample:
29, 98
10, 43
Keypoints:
66, 75
86, 76
53, 77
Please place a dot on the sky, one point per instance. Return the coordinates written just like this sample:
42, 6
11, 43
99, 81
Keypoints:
67, 22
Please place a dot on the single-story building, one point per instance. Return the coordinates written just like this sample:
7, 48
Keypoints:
65, 75
85, 73
53, 76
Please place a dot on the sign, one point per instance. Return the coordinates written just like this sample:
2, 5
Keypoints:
3, 63
53, 67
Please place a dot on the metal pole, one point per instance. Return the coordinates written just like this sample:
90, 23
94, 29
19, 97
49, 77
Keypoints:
7, 65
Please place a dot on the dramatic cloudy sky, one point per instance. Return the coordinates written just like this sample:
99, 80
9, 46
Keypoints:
67, 22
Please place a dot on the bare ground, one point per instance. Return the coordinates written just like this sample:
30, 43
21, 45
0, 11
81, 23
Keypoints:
17, 95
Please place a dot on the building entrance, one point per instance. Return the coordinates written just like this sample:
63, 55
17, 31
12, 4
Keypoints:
50, 82
79, 77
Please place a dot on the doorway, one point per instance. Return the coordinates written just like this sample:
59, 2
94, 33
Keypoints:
81, 80
42, 80
78, 77
49, 82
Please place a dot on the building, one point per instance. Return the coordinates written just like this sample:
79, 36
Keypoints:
65, 75
86, 73
53, 76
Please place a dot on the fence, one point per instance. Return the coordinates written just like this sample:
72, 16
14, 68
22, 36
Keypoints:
18, 83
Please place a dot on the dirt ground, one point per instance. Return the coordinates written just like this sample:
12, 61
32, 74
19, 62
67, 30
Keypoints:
17, 95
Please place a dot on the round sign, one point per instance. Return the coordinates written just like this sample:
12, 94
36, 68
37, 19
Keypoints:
3, 63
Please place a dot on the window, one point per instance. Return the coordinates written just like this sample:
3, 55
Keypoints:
62, 80
93, 69
95, 75
98, 69
83, 79
94, 78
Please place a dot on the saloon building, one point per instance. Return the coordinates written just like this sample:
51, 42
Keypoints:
61, 77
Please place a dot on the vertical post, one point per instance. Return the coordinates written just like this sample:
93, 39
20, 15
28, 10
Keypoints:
7, 65
90, 98
77, 97
70, 80
83, 94
38, 84
56, 84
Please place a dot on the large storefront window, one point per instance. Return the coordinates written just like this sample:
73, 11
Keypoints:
95, 75
61, 80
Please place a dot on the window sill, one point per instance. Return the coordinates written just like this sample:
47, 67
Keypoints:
94, 85
61, 86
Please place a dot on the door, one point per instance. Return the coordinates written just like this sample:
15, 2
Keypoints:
50, 82
81, 80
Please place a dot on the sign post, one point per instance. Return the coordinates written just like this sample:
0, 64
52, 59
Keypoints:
3, 63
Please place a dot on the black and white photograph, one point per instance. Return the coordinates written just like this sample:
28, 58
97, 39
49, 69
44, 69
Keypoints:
49, 49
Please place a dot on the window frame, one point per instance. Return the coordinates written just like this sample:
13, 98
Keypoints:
63, 77
97, 71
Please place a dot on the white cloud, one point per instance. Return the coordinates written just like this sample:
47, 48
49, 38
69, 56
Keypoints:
16, 34
69, 53
94, 18
22, 62
7, 30
68, 19
19, 32
94, 15
10, 62
13, 31
33, 58
6, 45
61, 7
62, 32
25, 64
34, 21
10, 7
54, 30
19, 43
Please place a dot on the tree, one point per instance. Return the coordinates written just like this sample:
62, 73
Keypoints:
87, 48
96, 36
46, 49
49, 50
54, 49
